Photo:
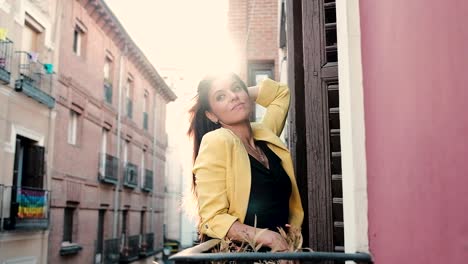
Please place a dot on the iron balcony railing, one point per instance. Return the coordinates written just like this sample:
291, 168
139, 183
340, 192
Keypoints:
148, 184
130, 175
198, 254
24, 208
131, 249
111, 251
108, 92
145, 120
35, 78
6, 51
108, 168
147, 245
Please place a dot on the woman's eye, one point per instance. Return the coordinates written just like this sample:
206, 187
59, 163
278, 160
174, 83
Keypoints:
236, 88
220, 97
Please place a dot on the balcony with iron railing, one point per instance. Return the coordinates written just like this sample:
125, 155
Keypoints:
108, 168
111, 251
24, 208
35, 78
130, 175
130, 250
148, 184
147, 245
201, 254
6, 51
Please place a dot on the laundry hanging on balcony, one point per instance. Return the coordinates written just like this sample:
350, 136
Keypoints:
33, 56
49, 68
32, 203
3, 34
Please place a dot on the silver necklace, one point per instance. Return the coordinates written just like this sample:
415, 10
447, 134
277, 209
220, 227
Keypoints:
257, 152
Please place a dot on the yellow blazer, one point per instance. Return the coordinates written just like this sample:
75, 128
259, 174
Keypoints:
222, 168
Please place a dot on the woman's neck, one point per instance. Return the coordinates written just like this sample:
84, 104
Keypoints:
244, 132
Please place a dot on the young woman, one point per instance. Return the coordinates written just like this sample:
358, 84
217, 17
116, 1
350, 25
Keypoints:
242, 171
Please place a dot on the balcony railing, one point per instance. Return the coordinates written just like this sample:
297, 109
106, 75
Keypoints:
108, 168
198, 254
108, 92
147, 245
130, 175
24, 208
34, 79
131, 248
6, 51
145, 120
111, 251
148, 184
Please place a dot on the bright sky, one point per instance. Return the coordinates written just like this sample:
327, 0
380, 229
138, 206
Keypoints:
186, 34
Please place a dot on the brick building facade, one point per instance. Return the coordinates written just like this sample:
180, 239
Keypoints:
253, 26
27, 117
99, 148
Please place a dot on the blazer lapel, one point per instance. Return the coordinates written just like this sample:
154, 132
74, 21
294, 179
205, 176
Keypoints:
262, 133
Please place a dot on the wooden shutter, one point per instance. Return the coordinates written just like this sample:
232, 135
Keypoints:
313, 77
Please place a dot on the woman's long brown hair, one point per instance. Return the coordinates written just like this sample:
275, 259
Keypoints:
199, 123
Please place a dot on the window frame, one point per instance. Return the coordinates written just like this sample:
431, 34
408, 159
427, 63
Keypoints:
72, 135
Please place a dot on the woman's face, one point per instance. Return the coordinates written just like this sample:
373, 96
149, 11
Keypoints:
229, 102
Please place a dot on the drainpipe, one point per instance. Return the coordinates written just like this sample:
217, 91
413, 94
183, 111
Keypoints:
115, 221
155, 145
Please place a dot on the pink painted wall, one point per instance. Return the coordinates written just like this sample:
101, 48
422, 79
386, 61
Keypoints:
415, 70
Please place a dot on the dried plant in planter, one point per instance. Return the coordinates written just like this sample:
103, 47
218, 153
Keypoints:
293, 237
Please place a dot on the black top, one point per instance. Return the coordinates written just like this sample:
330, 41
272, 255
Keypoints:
269, 192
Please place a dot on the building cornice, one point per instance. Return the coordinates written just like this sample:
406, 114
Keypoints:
108, 22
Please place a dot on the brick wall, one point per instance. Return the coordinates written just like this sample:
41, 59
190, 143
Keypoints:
253, 25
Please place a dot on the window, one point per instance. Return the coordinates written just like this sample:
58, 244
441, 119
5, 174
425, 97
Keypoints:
129, 97
257, 73
142, 223
125, 151
145, 111
29, 163
30, 38
79, 39
100, 234
31, 34
108, 80
102, 168
142, 173
72, 127
68, 224
124, 223
107, 70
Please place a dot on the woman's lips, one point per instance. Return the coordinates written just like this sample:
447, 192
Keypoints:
237, 106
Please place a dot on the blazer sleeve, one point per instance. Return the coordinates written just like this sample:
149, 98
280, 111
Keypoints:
275, 98
210, 177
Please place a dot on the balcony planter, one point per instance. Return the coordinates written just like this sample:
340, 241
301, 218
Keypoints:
29, 88
4, 75
69, 248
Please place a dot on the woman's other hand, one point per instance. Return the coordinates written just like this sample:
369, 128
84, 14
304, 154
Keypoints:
274, 241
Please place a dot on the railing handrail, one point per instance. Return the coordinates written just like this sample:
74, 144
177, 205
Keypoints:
25, 187
194, 254
28, 53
